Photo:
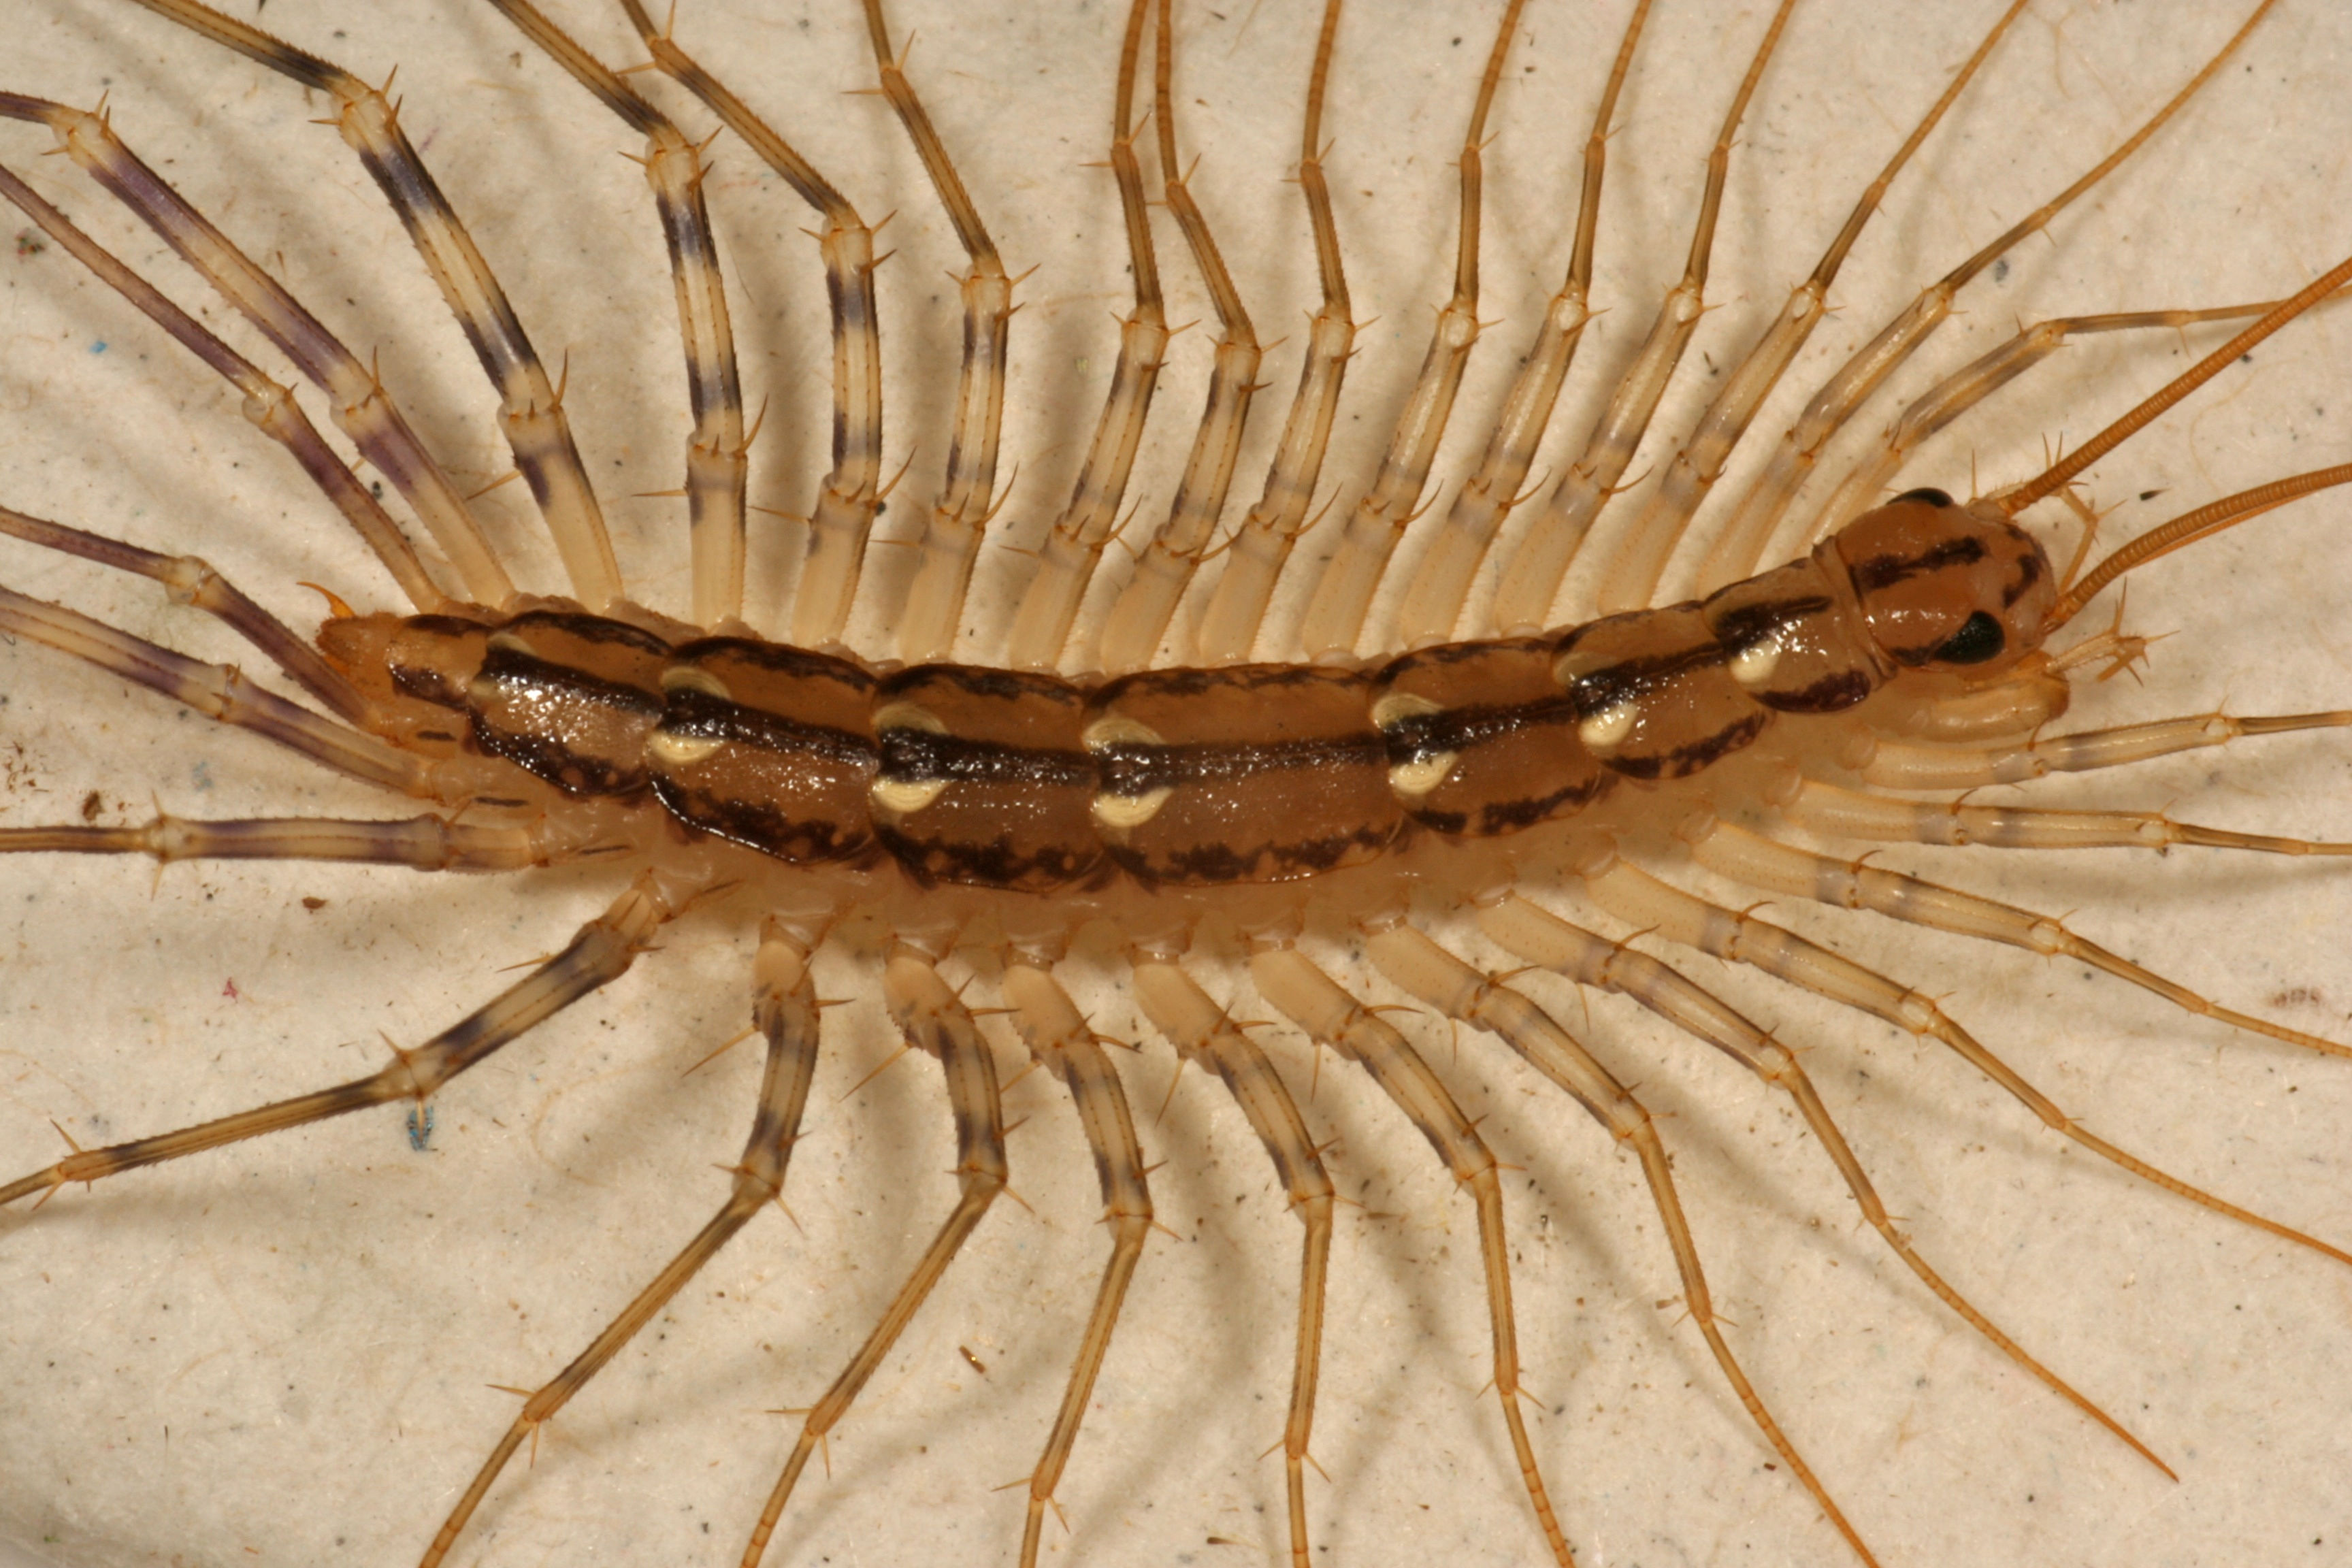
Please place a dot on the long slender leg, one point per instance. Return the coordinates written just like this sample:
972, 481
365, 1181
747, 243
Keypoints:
1254, 558
1416, 961
191, 580
785, 1010
1061, 1040
1631, 578
532, 408
1948, 399
222, 692
715, 454
1832, 813
1774, 867
940, 1024
851, 493
1532, 580
267, 403
1130, 634
420, 843
950, 541
1439, 581
1740, 547
599, 953
1201, 1032
1633, 895
358, 403
1896, 764
1331, 1017
1343, 593
1041, 624
1543, 938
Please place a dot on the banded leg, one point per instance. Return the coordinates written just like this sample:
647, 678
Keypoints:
1631, 579
221, 692
933, 608
1539, 564
851, 493
1201, 1032
934, 1021
530, 406
1439, 581
598, 955
1418, 965
420, 843
268, 404
188, 580
1774, 867
1335, 613
1331, 1017
1256, 555
1740, 547
1130, 634
1061, 1041
359, 406
783, 1010
716, 450
1041, 624
1633, 895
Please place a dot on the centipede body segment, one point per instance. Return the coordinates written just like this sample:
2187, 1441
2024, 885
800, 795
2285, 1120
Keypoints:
1380, 783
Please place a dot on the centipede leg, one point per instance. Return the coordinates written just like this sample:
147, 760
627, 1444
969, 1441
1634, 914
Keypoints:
1539, 564
1061, 1040
1768, 864
785, 1010
268, 404
1259, 548
1335, 611
851, 493
1065, 563
932, 611
940, 1026
1130, 633
716, 456
1834, 812
1423, 967
598, 955
1898, 766
1738, 938
1631, 582
1331, 1017
1201, 1032
531, 412
219, 691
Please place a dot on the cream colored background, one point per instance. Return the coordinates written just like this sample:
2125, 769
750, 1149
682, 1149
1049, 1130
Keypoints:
280, 1354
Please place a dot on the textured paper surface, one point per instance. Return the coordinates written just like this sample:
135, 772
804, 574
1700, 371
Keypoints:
283, 1354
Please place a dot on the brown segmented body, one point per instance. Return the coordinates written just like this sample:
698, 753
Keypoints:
1357, 1424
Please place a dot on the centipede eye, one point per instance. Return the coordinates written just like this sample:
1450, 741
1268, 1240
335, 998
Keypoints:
1930, 495
1979, 639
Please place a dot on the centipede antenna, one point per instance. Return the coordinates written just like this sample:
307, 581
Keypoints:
1750, 530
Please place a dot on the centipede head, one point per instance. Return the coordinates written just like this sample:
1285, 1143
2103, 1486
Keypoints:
1946, 587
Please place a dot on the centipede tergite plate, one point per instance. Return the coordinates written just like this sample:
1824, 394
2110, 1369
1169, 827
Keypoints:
1428, 803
